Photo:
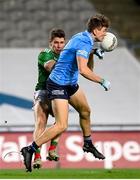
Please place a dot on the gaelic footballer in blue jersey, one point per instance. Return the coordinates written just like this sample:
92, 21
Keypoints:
62, 85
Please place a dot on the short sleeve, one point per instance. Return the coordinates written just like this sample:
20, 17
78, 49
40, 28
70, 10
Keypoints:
43, 58
83, 50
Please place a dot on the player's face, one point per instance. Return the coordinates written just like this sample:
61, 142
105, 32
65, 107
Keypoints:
57, 44
99, 33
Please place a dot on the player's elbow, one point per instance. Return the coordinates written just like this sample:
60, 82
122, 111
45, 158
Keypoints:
82, 71
49, 65
48, 68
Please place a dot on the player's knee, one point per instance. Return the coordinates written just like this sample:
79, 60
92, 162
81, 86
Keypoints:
62, 127
85, 113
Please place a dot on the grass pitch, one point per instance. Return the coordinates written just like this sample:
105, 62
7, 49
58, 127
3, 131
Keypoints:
70, 174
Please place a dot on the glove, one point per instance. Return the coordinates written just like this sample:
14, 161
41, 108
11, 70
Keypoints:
106, 84
99, 52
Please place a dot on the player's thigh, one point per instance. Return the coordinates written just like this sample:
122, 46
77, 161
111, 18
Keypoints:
40, 108
41, 103
79, 101
60, 109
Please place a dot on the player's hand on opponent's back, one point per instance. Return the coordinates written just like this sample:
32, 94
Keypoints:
106, 84
99, 53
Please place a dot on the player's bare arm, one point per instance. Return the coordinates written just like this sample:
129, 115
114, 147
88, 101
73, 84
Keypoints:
49, 65
86, 71
90, 63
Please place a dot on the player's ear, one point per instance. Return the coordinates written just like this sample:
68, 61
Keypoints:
95, 31
50, 44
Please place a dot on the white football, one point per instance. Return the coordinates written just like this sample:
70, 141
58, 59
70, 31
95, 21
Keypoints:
109, 42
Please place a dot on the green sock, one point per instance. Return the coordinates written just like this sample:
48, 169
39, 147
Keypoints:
38, 150
54, 143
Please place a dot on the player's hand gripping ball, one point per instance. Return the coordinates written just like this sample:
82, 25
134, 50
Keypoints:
109, 42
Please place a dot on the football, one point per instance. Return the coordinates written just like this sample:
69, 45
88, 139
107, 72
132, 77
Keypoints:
109, 42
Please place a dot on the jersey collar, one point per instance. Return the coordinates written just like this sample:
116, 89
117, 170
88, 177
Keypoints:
90, 37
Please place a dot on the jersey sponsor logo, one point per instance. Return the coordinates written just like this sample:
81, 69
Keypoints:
58, 92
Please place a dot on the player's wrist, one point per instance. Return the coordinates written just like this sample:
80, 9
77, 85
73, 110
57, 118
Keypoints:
101, 81
106, 84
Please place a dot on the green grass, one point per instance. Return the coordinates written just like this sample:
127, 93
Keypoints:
71, 174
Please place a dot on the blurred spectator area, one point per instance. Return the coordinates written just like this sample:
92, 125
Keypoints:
26, 23
125, 19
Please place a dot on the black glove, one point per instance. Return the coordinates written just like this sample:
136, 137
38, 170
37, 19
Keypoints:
99, 52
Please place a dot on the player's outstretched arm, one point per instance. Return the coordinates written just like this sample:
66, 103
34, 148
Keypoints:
90, 75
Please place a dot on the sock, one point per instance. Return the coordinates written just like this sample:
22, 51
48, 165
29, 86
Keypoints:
53, 145
37, 154
33, 147
87, 139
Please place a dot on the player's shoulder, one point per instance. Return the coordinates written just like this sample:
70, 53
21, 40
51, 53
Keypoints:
43, 54
82, 37
46, 50
74, 41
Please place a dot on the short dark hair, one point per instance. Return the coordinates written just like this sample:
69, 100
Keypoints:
56, 33
97, 21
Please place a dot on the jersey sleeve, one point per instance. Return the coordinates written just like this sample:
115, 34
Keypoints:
43, 58
83, 50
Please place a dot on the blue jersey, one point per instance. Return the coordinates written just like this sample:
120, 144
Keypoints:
65, 71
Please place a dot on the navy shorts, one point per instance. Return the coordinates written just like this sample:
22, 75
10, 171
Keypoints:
56, 91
